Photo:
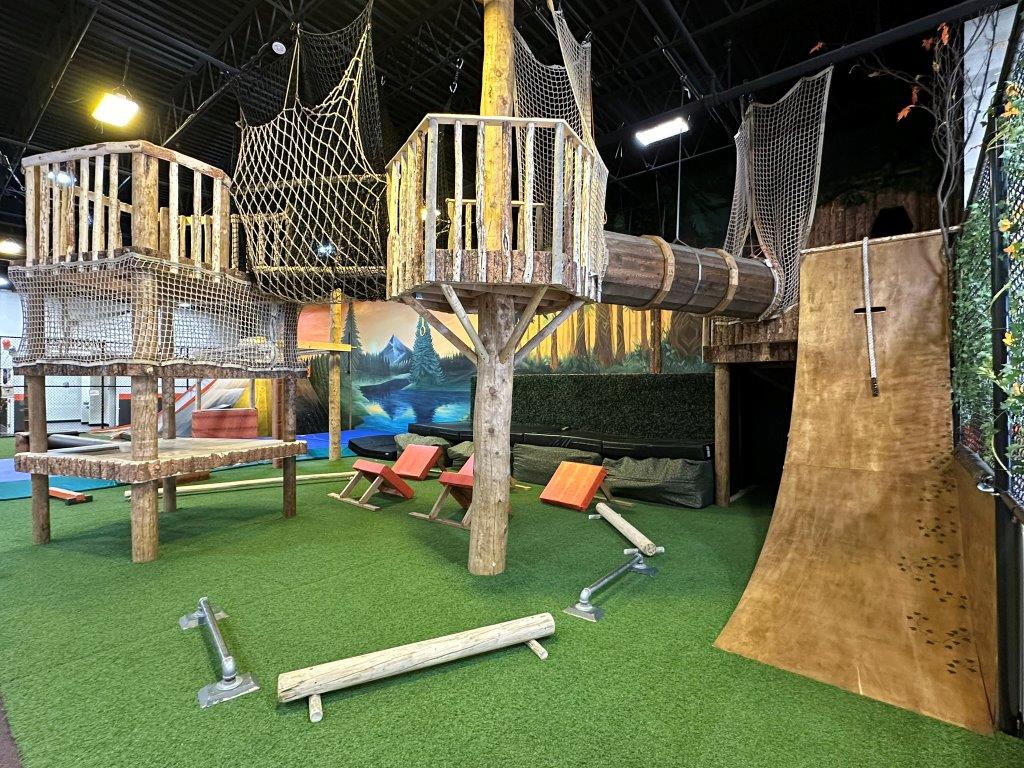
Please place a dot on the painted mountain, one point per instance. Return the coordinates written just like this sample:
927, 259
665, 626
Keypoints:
395, 352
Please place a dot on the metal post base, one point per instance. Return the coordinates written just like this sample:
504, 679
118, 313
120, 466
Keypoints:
215, 693
232, 683
585, 611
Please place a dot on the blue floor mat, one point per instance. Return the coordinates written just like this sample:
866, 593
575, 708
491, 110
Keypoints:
17, 485
318, 444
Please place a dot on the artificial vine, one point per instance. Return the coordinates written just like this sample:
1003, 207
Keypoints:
973, 373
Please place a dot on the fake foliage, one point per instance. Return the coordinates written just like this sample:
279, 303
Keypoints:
973, 373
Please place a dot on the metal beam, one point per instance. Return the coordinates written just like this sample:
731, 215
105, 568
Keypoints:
814, 64
52, 81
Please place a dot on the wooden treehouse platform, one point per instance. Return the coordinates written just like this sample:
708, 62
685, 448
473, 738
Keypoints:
540, 230
175, 456
149, 289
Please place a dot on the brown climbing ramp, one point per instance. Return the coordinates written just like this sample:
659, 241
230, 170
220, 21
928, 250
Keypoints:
862, 582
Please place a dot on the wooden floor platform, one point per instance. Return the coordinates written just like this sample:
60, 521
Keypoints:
176, 456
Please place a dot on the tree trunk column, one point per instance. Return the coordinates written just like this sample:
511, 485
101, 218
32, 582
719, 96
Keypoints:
488, 537
37, 443
334, 383
288, 433
492, 412
722, 427
145, 523
170, 433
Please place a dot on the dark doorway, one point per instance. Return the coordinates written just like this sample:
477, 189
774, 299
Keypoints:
762, 403
892, 221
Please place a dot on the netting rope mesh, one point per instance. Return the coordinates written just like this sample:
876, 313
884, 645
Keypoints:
560, 92
140, 309
308, 185
778, 162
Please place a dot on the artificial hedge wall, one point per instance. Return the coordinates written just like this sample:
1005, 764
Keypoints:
670, 406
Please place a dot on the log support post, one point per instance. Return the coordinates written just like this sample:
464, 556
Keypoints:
37, 442
655, 340
722, 427
288, 433
145, 523
334, 383
496, 317
170, 432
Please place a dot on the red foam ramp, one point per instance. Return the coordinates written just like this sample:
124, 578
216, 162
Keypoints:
226, 423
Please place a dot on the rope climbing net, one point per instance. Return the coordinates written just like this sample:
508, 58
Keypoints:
778, 160
140, 309
307, 185
561, 92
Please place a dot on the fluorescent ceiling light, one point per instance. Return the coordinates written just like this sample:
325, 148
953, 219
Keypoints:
115, 109
669, 128
9, 247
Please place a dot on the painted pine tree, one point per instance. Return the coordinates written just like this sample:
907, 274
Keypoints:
425, 365
351, 333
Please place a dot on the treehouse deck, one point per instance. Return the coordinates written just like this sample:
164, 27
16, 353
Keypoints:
175, 456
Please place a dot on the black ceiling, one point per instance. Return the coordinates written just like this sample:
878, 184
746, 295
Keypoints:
428, 55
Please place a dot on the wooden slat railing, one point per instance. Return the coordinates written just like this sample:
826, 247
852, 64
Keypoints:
83, 203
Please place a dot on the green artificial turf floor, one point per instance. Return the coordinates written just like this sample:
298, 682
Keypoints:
94, 670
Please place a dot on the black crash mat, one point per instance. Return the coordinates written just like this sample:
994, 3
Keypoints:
380, 447
608, 446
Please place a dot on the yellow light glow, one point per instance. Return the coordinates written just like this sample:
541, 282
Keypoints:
9, 247
115, 109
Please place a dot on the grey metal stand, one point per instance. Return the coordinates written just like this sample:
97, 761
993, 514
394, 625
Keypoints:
232, 684
584, 609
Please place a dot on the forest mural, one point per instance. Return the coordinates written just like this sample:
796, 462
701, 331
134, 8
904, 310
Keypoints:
401, 371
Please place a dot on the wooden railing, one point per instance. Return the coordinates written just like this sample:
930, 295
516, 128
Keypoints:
555, 221
82, 204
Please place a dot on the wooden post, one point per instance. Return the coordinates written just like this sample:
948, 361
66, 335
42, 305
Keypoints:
722, 414
655, 341
288, 433
496, 318
145, 522
334, 383
170, 432
36, 391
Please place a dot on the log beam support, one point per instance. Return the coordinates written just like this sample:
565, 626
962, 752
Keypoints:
36, 391
170, 484
496, 316
288, 433
145, 522
722, 428
334, 383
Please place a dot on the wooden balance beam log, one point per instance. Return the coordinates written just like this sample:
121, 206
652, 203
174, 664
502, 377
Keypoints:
311, 682
259, 482
627, 529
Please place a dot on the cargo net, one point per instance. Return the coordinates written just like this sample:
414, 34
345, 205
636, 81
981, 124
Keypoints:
560, 93
134, 309
307, 185
778, 160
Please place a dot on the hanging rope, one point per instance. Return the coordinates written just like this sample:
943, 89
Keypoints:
872, 363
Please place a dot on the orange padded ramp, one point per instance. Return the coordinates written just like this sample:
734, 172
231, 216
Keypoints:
574, 485
862, 579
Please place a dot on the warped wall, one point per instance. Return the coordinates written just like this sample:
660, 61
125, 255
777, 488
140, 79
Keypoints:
864, 581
